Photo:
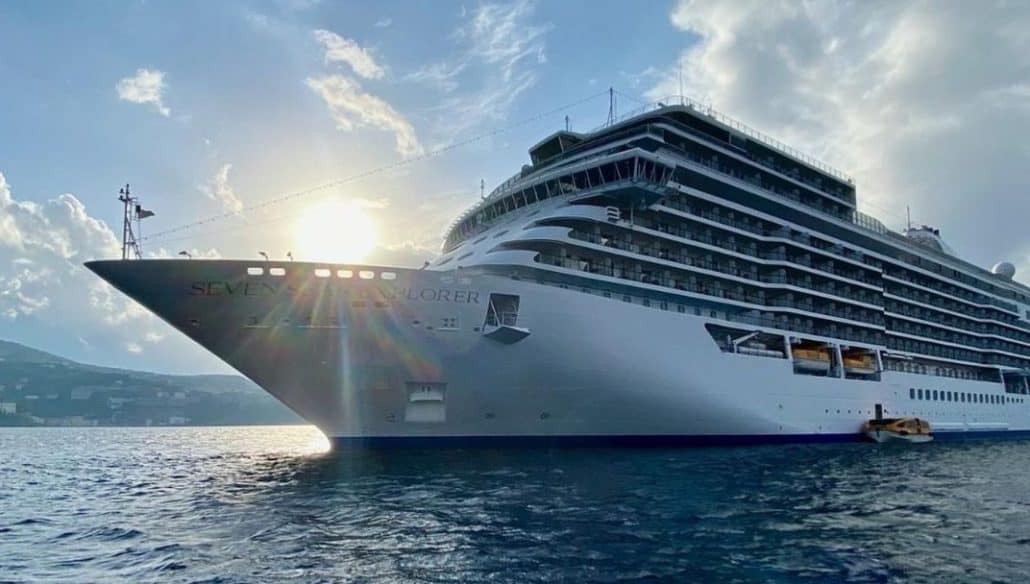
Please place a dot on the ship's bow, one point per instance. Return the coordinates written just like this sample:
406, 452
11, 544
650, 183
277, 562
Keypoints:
239, 316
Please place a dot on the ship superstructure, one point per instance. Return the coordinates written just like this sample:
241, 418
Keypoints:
672, 277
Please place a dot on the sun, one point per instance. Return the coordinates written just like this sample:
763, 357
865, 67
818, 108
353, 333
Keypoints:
334, 231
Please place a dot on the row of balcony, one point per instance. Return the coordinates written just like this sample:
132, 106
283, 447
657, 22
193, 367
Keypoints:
751, 248
759, 227
930, 332
714, 288
945, 319
944, 302
958, 372
946, 290
932, 349
765, 182
730, 267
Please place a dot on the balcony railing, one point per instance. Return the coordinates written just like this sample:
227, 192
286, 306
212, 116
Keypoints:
861, 317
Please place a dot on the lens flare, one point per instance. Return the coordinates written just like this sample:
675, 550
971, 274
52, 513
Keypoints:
334, 231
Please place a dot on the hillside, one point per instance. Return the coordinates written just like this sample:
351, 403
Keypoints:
39, 388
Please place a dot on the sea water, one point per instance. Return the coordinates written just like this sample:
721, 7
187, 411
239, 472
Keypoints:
274, 504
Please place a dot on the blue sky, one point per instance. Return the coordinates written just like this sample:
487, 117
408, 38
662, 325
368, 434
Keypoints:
212, 107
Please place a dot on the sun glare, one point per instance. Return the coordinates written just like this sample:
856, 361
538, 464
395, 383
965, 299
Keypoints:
334, 231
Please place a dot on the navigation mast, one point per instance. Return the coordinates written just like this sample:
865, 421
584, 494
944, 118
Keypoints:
132, 211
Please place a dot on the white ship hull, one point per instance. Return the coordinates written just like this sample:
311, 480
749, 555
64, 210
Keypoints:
366, 361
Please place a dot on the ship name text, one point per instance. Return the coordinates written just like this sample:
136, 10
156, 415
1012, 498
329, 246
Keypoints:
224, 288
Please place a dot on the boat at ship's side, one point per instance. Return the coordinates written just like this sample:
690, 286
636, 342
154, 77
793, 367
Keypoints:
672, 278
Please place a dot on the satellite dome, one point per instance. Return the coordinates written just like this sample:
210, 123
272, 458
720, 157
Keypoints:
1004, 269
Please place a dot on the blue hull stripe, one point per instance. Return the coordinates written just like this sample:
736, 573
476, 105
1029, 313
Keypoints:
640, 441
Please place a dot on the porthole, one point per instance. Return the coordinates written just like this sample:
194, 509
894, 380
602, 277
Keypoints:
344, 274
322, 273
366, 274
277, 271
388, 275
255, 271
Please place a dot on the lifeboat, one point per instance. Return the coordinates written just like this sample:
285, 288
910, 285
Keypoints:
898, 430
812, 359
863, 364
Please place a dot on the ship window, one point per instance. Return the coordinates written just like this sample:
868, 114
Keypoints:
449, 323
255, 271
911, 393
388, 276
935, 395
920, 394
344, 274
277, 271
366, 274
322, 273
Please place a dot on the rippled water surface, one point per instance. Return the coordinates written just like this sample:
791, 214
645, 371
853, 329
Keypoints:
273, 504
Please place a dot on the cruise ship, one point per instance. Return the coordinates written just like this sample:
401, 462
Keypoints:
671, 278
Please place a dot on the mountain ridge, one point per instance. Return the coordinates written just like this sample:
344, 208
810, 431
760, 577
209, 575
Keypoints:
41, 388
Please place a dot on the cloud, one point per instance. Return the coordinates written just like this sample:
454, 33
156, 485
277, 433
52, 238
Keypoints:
42, 247
925, 105
218, 189
501, 35
342, 50
349, 104
443, 75
500, 49
48, 298
406, 254
351, 107
145, 86
153, 337
384, 23
196, 253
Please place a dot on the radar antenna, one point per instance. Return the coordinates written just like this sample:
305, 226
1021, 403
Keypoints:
132, 212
